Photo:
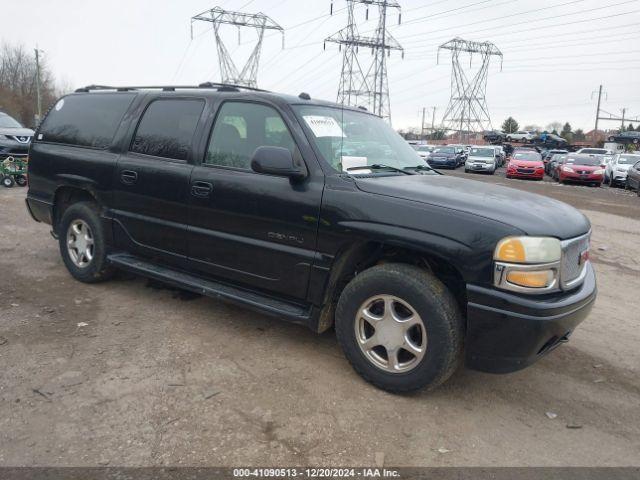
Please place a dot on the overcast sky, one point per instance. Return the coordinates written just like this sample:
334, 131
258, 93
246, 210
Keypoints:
556, 52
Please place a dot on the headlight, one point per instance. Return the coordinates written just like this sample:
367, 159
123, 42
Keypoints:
528, 250
567, 169
528, 264
600, 171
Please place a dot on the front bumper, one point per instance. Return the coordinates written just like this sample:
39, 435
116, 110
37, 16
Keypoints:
619, 177
443, 163
575, 177
479, 167
526, 173
507, 332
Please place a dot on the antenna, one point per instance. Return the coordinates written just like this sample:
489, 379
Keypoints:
229, 73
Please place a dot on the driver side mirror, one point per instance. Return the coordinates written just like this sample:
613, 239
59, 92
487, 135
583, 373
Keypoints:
276, 161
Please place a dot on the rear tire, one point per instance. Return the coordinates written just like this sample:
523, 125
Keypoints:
83, 244
432, 310
21, 180
8, 181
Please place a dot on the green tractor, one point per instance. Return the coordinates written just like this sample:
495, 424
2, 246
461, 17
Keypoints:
13, 170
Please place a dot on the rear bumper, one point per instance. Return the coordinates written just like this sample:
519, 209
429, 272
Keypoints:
508, 332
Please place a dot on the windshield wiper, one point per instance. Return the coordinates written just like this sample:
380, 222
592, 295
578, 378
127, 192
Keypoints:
422, 167
380, 166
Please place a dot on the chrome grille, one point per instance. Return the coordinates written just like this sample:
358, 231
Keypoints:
572, 267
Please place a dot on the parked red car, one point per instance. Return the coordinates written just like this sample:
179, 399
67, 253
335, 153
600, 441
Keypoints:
526, 164
581, 169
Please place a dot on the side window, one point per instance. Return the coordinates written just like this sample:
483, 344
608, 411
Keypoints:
167, 128
242, 127
85, 119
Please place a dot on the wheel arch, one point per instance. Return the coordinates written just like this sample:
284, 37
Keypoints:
65, 196
360, 256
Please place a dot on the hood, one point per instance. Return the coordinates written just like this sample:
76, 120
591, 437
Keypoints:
526, 163
17, 132
586, 168
528, 212
623, 166
472, 158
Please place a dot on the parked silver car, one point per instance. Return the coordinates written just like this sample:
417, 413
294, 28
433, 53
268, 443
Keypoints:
481, 159
616, 170
14, 138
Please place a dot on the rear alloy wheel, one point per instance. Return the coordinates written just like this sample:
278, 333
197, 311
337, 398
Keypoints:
399, 327
82, 243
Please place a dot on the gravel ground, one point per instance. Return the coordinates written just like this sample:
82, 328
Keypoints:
129, 374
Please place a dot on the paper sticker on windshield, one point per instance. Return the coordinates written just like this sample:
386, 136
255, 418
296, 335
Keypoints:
323, 126
350, 162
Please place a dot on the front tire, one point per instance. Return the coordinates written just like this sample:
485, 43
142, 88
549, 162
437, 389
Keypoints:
400, 328
82, 243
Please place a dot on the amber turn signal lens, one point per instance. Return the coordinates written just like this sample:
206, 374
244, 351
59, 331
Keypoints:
511, 250
539, 279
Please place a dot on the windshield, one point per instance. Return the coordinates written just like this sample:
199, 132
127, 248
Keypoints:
596, 151
7, 122
425, 149
588, 161
558, 158
444, 150
348, 139
482, 152
628, 160
527, 156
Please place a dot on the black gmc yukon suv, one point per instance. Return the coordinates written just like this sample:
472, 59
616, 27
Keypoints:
318, 214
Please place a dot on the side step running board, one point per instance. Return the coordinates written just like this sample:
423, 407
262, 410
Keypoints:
186, 281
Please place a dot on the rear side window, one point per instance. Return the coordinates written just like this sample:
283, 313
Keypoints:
85, 120
167, 128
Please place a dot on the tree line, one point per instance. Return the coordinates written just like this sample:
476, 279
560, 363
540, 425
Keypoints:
565, 131
18, 80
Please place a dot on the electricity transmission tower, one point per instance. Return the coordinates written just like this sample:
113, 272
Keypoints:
260, 22
467, 110
366, 84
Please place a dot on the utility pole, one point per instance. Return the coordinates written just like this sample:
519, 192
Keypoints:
424, 110
599, 103
433, 121
611, 116
38, 94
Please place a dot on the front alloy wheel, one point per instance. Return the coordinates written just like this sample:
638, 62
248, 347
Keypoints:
390, 333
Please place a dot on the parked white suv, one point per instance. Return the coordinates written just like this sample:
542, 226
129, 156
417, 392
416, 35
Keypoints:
616, 171
522, 136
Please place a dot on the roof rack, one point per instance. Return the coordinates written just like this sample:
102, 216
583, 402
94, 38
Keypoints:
221, 87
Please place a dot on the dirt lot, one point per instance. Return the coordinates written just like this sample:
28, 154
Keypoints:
156, 378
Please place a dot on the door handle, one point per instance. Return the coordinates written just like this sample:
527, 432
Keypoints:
201, 189
128, 177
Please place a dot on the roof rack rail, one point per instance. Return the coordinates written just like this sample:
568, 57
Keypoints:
224, 87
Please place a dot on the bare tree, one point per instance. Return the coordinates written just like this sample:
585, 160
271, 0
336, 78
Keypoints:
18, 83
